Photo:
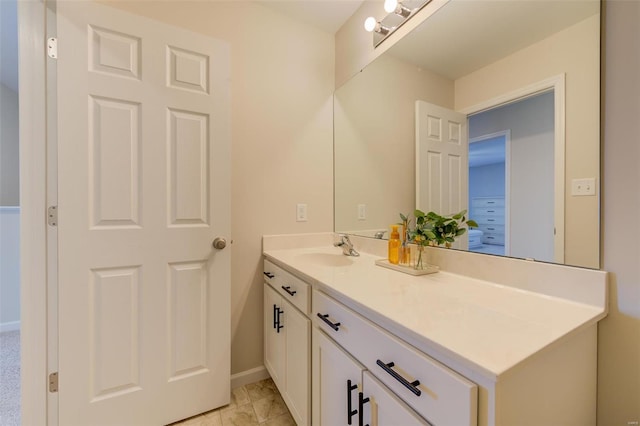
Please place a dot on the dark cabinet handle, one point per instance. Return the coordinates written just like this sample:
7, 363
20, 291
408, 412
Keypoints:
350, 412
412, 386
280, 311
269, 274
329, 323
288, 290
276, 318
361, 401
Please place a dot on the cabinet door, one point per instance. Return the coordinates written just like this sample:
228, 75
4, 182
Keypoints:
274, 359
297, 395
383, 408
333, 371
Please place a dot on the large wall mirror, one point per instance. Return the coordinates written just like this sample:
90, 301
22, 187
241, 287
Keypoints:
489, 106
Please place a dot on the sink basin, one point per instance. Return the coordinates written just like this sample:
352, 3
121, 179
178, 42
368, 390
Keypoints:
326, 259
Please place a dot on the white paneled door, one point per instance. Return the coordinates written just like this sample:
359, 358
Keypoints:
442, 161
143, 190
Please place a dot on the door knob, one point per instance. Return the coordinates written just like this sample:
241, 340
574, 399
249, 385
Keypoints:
219, 243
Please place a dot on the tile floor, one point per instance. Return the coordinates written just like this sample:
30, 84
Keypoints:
257, 403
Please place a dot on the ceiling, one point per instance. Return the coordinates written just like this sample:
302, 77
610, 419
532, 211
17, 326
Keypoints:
326, 15
468, 35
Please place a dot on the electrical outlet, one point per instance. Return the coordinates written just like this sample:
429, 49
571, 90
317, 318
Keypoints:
301, 212
583, 187
362, 212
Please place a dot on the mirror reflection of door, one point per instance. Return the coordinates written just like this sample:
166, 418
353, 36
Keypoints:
524, 228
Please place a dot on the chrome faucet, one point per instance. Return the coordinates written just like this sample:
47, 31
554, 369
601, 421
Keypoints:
347, 246
379, 234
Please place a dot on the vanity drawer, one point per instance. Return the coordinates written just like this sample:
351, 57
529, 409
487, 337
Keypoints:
488, 211
493, 238
442, 396
290, 287
489, 220
496, 229
487, 202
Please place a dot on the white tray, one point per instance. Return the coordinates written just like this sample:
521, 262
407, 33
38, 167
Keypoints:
430, 269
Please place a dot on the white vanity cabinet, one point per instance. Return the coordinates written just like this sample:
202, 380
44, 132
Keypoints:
437, 393
336, 381
442, 349
287, 339
345, 394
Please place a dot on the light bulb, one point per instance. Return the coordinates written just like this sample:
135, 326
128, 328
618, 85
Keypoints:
390, 5
370, 24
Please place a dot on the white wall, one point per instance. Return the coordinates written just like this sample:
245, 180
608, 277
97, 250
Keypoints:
282, 138
375, 141
619, 333
9, 268
9, 171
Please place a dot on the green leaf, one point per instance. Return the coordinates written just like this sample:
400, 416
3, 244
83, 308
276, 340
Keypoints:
418, 213
449, 239
460, 232
403, 217
472, 223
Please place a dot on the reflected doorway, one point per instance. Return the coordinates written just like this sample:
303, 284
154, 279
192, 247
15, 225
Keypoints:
516, 206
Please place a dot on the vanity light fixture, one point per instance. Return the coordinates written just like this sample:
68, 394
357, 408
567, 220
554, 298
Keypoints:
398, 14
393, 6
370, 24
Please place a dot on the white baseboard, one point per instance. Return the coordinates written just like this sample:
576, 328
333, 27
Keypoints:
9, 326
249, 376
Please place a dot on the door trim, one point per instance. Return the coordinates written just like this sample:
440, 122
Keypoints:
33, 200
557, 84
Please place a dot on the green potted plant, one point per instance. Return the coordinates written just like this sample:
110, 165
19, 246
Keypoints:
446, 229
434, 229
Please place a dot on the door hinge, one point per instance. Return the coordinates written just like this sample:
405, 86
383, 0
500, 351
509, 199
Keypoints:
52, 215
52, 47
53, 382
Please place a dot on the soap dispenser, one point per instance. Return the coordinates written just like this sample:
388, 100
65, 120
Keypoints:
394, 245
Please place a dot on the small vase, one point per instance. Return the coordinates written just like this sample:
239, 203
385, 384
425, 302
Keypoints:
419, 257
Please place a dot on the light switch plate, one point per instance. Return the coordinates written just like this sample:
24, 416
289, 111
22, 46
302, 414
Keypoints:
362, 212
583, 187
301, 212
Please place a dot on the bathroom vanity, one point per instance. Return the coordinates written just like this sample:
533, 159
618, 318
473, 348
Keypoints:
485, 341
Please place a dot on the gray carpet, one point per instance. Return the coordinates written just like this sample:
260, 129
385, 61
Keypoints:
10, 378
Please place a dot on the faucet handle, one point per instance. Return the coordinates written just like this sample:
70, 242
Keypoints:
342, 240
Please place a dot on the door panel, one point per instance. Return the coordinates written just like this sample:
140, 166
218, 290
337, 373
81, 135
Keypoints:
442, 161
332, 369
143, 159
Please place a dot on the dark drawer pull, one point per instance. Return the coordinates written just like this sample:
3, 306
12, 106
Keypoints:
329, 323
491, 211
361, 401
269, 274
412, 386
350, 412
288, 290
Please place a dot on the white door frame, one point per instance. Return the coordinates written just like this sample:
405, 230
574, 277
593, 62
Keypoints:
35, 235
557, 84
506, 134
